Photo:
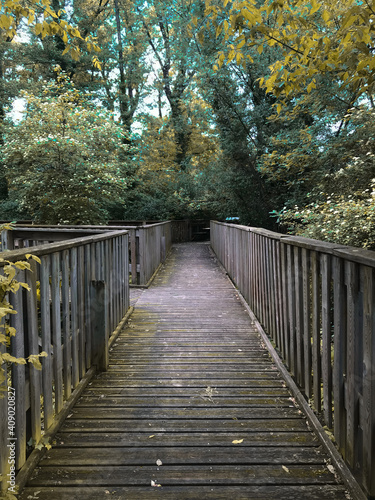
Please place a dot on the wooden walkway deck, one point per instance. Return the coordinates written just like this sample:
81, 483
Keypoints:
189, 378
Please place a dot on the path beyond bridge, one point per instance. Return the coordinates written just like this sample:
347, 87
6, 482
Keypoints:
192, 406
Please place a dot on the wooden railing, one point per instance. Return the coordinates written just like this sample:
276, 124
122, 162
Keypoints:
316, 301
148, 244
78, 295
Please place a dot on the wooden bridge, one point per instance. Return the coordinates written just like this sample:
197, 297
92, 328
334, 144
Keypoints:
190, 399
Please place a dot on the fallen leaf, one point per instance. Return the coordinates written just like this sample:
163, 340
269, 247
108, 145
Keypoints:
286, 469
159, 462
237, 441
331, 469
152, 436
155, 484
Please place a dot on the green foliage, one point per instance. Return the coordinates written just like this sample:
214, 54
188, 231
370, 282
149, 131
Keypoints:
347, 220
63, 160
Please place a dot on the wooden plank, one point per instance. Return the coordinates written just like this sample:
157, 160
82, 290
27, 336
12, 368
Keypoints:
81, 310
18, 373
351, 403
87, 305
175, 425
284, 347
299, 353
32, 334
325, 267
315, 312
142, 256
45, 312
56, 332
220, 475
368, 420
291, 340
99, 341
307, 356
133, 255
193, 439
67, 347
74, 316
279, 492
183, 456
339, 366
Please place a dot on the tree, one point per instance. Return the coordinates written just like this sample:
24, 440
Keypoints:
314, 38
62, 160
170, 36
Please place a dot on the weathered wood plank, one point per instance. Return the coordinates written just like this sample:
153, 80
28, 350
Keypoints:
315, 312
248, 492
326, 339
182, 412
56, 332
34, 374
172, 425
67, 351
45, 311
368, 423
180, 475
183, 456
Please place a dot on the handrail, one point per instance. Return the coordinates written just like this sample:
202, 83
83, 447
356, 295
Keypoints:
316, 300
148, 244
57, 316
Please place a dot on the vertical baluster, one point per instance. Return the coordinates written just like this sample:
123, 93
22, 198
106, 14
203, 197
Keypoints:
18, 373
67, 350
326, 338
316, 308
56, 332
307, 323
74, 316
45, 312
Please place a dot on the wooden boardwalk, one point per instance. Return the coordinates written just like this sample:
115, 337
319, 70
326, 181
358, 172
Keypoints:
189, 378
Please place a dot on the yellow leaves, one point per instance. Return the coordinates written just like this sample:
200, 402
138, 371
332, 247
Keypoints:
5, 22
314, 7
96, 63
253, 16
361, 65
34, 257
326, 16
7, 358
241, 43
237, 441
311, 85
34, 359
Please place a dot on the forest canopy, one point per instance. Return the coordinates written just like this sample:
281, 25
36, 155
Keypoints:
259, 110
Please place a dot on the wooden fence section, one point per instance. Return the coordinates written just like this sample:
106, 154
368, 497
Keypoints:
317, 302
78, 295
148, 244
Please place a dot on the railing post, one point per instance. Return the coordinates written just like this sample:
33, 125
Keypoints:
99, 341
7, 240
162, 249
